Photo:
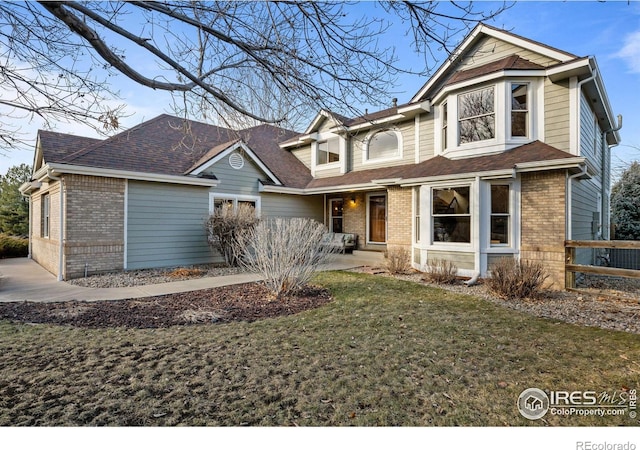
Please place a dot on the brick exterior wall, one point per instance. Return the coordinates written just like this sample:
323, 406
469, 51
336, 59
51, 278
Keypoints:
94, 229
93, 226
399, 217
543, 222
354, 217
46, 250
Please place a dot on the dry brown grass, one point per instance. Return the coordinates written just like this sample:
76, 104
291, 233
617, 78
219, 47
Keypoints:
384, 353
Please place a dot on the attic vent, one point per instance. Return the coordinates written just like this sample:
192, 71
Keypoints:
236, 161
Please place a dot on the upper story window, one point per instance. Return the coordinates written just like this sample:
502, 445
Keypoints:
519, 110
445, 120
476, 115
489, 119
328, 151
383, 145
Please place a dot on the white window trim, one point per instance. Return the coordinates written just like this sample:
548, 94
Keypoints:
427, 202
340, 164
510, 236
365, 147
213, 196
46, 215
509, 111
514, 218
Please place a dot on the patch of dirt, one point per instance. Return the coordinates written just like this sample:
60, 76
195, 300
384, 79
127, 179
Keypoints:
242, 302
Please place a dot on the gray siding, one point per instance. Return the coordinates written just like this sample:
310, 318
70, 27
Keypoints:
283, 205
242, 181
165, 225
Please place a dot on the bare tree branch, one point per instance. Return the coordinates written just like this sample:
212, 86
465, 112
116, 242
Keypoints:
245, 62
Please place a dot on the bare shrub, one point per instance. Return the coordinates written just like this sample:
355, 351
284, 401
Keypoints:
397, 260
285, 251
224, 226
516, 279
441, 271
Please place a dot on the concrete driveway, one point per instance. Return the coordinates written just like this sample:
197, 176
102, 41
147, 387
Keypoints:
22, 279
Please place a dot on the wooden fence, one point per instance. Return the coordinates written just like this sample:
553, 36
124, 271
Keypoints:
571, 268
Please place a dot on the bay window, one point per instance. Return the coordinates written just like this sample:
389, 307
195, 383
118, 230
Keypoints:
500, 214
519, 110
451, 217
476, 115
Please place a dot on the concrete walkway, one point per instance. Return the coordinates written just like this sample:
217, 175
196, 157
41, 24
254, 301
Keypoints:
22, 279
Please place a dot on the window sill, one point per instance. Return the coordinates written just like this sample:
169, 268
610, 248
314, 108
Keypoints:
333, 165
366, 161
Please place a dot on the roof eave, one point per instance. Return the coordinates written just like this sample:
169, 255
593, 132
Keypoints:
61, 169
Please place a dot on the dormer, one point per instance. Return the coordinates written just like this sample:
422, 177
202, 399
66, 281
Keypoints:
327, 145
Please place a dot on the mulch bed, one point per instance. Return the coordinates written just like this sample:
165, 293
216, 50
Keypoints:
243, 302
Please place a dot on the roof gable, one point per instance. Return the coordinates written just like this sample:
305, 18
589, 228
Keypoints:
486, 45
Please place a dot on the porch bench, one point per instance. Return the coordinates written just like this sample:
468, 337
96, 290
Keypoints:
343, 242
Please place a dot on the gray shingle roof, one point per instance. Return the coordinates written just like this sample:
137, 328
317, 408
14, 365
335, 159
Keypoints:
171, 145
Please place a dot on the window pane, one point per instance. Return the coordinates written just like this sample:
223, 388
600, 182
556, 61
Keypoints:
451, 201
500, 229
383, 145
445, 119
476, 115
451, 220
328, 151
333, 148
336, 213
519, 97
519, 110
475, 103
500, 199
452, 229
519, 124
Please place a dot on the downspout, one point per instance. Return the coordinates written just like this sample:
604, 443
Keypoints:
61, 248
604, 199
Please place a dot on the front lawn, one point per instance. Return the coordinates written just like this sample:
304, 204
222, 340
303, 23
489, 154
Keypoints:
385, 352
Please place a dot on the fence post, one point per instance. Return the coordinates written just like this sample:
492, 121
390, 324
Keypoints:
569, 258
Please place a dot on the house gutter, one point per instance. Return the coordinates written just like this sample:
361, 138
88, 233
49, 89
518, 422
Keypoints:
61, 245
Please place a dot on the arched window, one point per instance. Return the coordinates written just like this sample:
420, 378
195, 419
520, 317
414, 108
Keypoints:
383, 145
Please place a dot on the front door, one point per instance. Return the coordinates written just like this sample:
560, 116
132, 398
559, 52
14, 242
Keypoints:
377, 219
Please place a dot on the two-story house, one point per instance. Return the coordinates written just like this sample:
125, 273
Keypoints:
503, 152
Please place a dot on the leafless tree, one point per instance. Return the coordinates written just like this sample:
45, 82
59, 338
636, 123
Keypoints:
263, 61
